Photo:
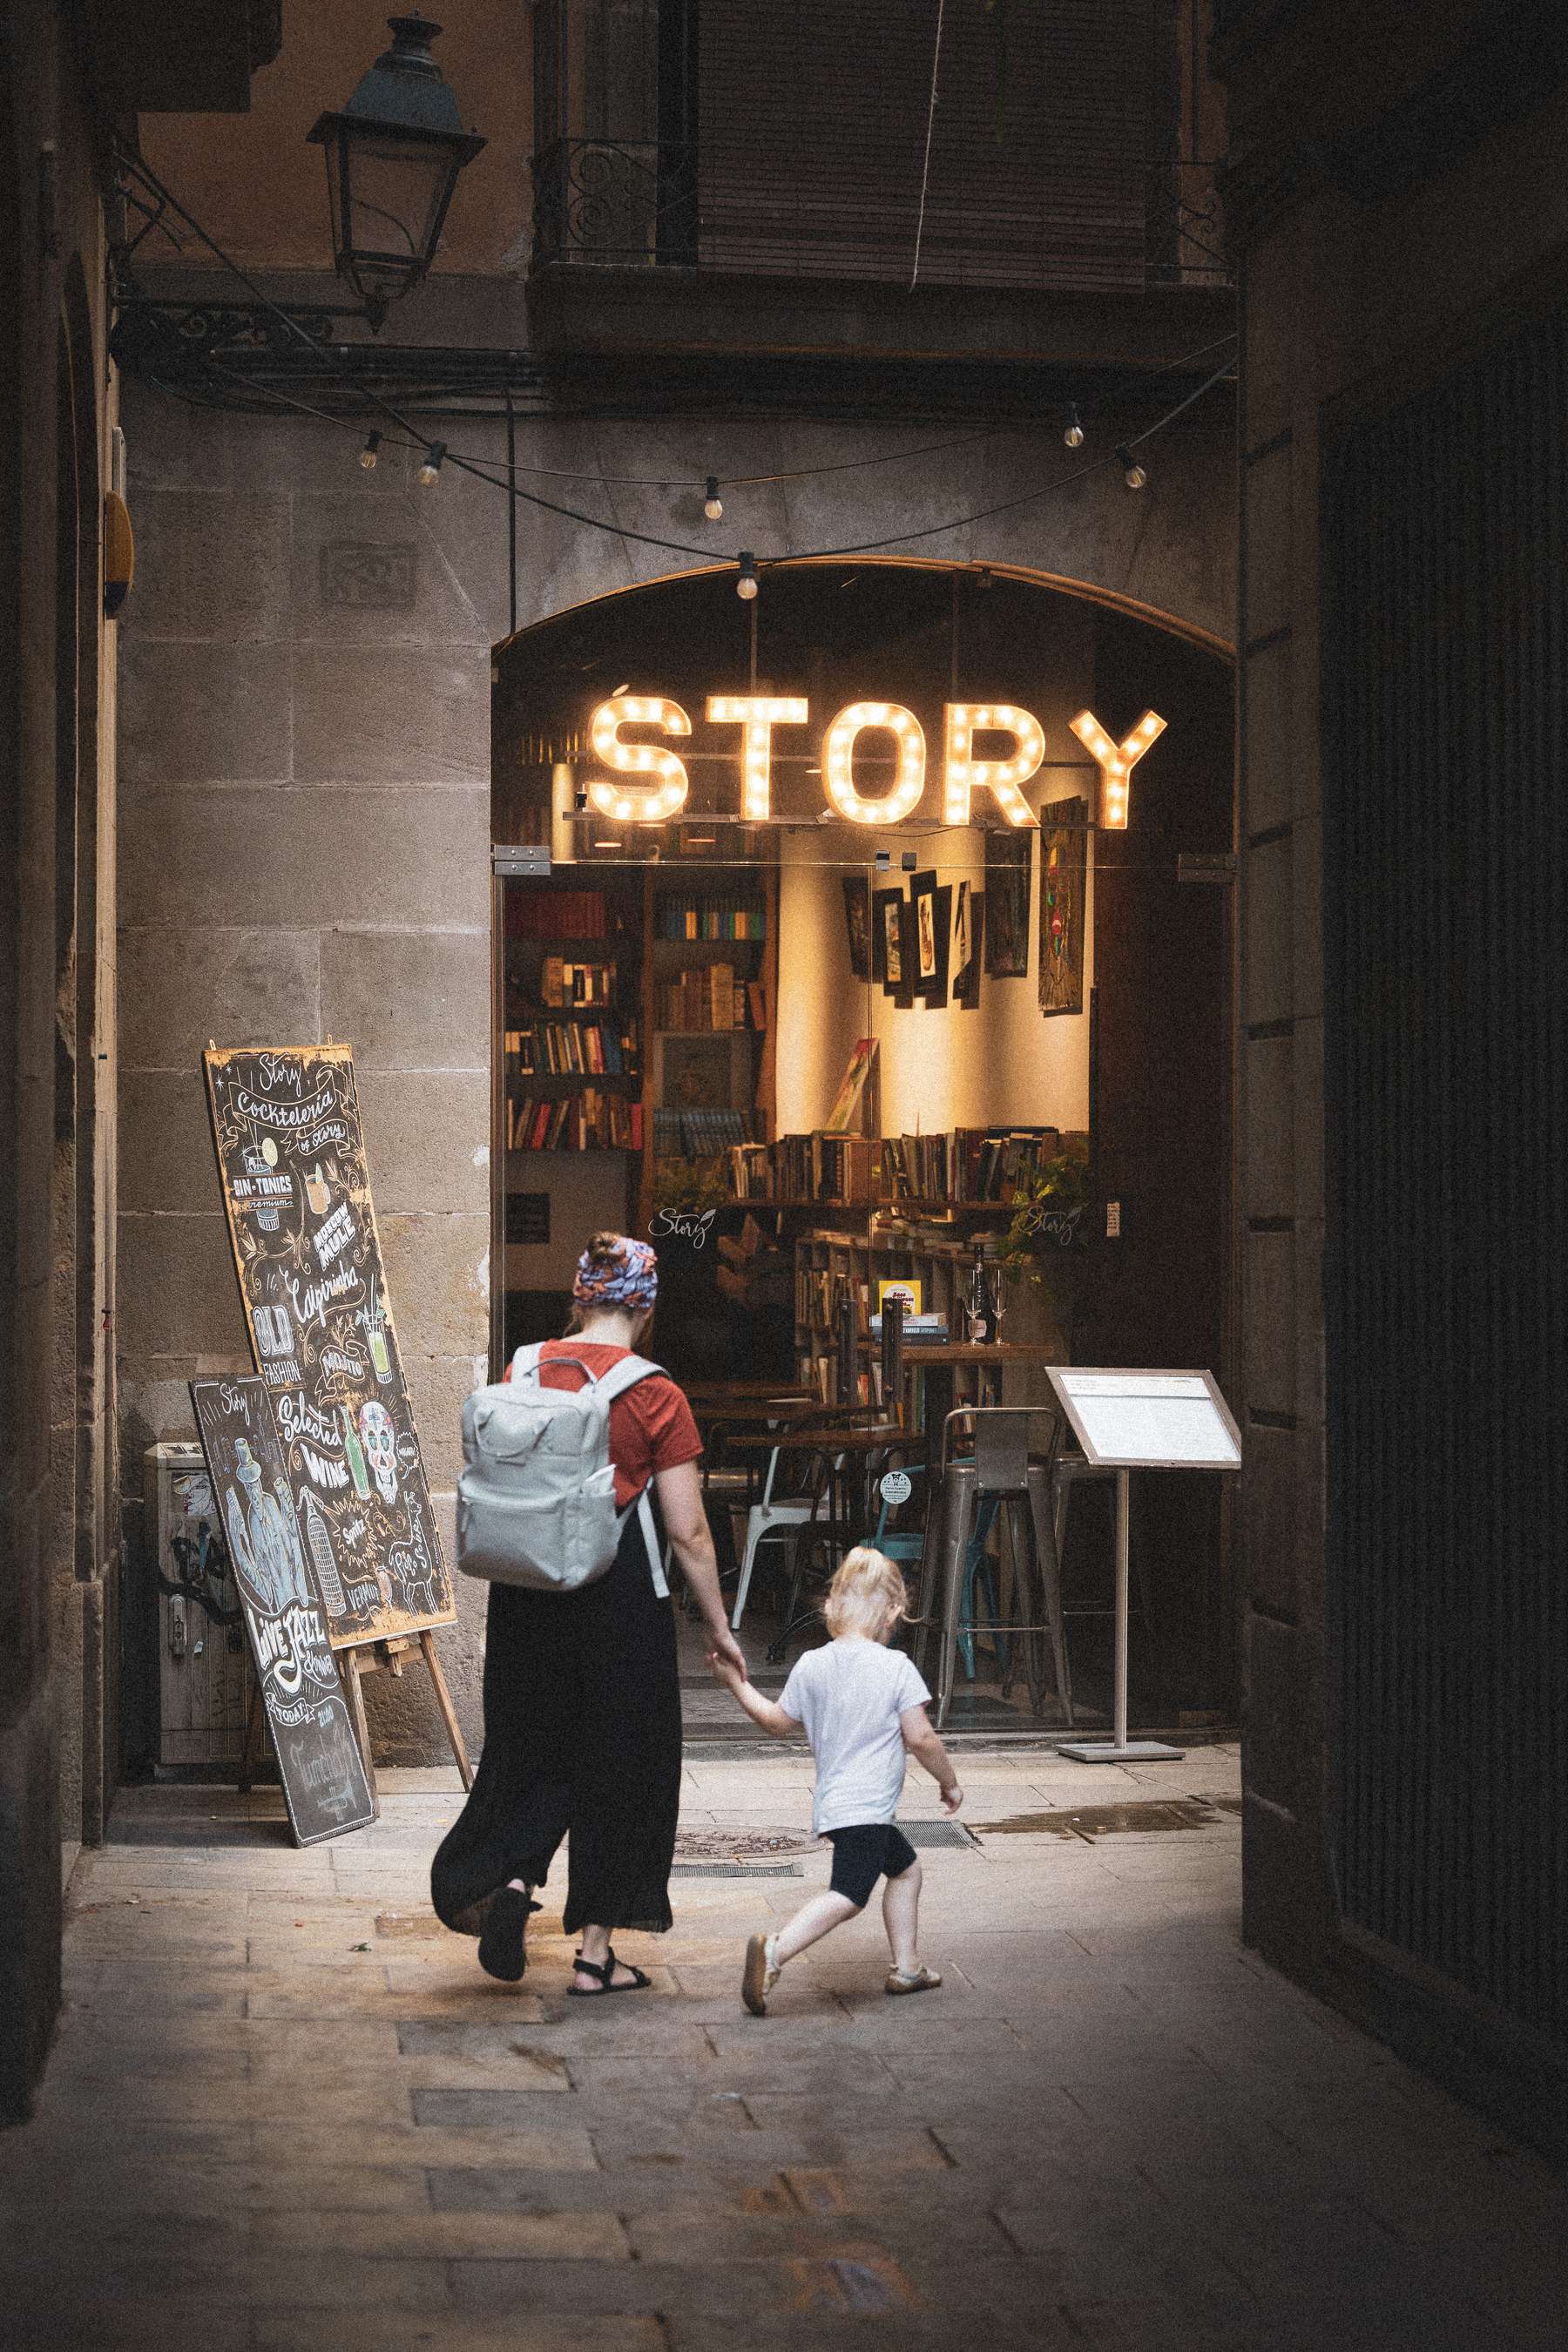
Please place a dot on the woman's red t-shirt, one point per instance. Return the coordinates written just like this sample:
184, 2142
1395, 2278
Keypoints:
651, 1427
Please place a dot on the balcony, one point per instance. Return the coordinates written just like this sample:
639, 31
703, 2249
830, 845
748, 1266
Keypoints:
1108, 224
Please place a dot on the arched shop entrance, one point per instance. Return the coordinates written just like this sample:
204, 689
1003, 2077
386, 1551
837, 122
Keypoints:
812, 1047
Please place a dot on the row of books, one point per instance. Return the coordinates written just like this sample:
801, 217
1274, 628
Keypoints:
561, 1049
706, 998
710, 919
969, 1164
820, 1374
589, 1121
555, 914
699, 1134
560, 983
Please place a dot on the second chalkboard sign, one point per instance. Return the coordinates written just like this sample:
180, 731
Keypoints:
319, 1760
292, 1160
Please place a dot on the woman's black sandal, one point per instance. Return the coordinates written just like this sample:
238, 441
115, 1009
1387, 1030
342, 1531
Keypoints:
606, 1976
503, 1938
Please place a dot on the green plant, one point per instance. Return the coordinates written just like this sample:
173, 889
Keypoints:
1042, 1240
688, 1187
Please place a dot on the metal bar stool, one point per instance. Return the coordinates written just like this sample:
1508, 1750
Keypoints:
1018, 1485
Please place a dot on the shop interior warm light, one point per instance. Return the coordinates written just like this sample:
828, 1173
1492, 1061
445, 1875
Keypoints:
640, 804
963, 775
1116, 762
838, 762
759, 714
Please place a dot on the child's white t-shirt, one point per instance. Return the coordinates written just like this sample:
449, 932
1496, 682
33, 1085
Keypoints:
849, 1695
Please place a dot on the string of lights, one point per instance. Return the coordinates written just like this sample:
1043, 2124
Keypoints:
711, 484
436, 452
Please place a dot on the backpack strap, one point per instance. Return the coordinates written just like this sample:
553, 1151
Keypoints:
626, 1375
650, 1537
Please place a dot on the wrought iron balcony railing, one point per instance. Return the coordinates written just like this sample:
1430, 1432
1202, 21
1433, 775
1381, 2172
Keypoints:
635, 202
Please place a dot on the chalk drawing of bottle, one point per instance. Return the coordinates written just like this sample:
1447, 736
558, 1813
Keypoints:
356, 1453
321, 1552
375, 1333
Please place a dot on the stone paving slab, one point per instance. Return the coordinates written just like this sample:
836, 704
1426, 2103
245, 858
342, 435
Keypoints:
1114, 2129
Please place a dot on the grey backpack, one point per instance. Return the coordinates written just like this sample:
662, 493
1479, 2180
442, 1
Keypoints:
536, 1494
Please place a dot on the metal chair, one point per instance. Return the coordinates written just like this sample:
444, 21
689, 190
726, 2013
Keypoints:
770, 1521
1016, 1486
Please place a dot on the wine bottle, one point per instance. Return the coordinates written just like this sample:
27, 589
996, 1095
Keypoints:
321, 1552
981, 1322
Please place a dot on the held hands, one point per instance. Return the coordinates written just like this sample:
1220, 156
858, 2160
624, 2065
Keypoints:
727, 1664
952, 1798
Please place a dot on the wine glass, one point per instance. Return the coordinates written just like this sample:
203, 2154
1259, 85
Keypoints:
999, 1302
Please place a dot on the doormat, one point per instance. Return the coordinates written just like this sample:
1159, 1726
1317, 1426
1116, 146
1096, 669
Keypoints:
921, 1833
734, 1870
742, 1845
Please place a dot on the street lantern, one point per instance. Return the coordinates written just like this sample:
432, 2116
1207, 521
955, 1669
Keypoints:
393, 159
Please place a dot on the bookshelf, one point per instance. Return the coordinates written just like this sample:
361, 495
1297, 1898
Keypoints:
709, 987
571, 1040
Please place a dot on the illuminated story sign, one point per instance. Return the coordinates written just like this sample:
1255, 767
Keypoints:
647, 782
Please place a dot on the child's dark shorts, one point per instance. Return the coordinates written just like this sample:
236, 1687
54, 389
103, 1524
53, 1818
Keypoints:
865, 1854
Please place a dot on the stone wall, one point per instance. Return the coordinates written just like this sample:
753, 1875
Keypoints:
1349, 295
56, 1538
304, 801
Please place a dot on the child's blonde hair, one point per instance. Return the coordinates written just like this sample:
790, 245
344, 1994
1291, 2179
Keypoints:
865, 1596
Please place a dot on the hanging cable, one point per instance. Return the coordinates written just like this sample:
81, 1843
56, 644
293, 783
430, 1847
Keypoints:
930, 126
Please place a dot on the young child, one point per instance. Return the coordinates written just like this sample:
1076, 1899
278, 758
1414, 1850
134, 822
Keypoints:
862, 1706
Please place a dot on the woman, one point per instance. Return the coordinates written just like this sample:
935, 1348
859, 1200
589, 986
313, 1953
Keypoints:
581, 1694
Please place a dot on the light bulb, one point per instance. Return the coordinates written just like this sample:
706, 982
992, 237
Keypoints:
429, 472
713, 505
746, 585
1132, 473
1073, 436
367, 454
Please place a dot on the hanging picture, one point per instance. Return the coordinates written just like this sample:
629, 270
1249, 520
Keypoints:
893, 946
931, 908
1064, 845
1009, 858
858, 922
968, 936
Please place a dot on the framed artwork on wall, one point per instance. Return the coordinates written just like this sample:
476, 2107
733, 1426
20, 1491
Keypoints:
1009, 859
1064, 878
857, 923
893, 946
968, 940
930, 911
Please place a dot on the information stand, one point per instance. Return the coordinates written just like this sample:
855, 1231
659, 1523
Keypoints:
1127, 1421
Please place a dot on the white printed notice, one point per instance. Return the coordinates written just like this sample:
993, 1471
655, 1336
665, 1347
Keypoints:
1153, 1420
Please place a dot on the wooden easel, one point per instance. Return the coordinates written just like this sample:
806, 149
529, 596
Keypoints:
353, 1664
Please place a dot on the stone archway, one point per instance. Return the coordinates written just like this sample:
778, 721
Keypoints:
304, 688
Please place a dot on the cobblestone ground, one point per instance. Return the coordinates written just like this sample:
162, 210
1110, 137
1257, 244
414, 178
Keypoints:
287, 2114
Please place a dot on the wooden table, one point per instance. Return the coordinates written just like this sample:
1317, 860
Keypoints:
945, 1356
723, 1392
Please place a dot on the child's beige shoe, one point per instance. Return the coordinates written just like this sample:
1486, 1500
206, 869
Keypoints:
921, 1979
760, 1975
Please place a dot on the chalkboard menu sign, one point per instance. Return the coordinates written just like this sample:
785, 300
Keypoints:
263, 1517
292, 1160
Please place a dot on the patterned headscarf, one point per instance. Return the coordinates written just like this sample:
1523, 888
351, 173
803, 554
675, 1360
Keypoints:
628, 1279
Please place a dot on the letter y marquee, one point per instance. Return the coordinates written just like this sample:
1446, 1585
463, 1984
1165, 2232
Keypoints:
1116, 762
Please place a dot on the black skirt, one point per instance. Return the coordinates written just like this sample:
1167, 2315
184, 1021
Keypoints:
582, 1737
